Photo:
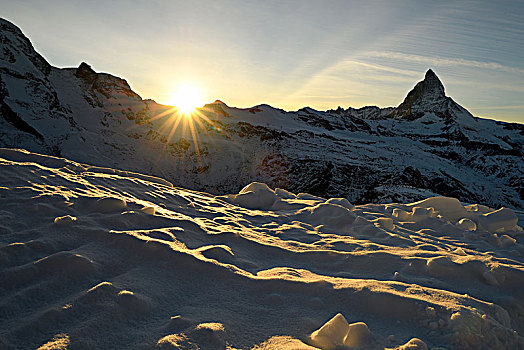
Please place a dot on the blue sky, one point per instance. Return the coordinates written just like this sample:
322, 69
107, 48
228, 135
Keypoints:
292, 54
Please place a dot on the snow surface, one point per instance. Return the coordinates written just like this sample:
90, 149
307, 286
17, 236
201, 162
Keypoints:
93, 257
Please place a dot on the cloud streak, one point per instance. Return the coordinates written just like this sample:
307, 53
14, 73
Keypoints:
442, 61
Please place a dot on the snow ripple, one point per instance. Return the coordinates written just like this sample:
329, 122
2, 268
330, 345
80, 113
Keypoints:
103, 258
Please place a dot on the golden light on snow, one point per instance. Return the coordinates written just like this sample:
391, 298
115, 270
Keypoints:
186, 99
361, 276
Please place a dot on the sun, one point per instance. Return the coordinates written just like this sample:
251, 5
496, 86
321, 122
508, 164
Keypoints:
186, 99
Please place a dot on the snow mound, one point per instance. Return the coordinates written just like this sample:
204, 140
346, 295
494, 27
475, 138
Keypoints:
333, 216
468, 218
343, 202
108, 205
337, 332
132, 302
209, 335
256, 195
332, 334
413, 344
358, 336
449, 208
64, 220
283, 343
467, 224
498, 221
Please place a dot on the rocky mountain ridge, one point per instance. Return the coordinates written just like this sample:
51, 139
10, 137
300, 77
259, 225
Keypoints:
427, 145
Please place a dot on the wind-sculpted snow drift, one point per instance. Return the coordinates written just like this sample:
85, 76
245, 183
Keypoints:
427, 146
94, 258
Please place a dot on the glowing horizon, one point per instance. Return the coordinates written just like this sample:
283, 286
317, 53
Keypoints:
292, 54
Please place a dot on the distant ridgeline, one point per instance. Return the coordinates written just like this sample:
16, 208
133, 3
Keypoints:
428, 145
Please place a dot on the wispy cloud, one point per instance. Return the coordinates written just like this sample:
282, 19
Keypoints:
443, 61
350, 64
498, 107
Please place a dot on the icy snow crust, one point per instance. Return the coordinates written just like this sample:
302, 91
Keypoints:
100, 258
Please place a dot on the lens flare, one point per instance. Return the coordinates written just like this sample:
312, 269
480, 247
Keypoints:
182, 123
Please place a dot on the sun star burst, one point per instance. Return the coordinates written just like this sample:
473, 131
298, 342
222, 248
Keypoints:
186, 99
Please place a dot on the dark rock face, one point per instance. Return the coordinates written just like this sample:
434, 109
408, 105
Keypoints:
86, 73
427, 96
12, 118
429, 90
428, 145
106, 84
16, 45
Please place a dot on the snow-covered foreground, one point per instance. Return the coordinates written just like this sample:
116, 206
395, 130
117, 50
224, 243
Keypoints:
99, 258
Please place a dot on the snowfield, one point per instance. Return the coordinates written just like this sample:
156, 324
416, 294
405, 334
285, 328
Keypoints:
93, 257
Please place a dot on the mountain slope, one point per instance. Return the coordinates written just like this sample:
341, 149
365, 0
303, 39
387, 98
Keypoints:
427, 145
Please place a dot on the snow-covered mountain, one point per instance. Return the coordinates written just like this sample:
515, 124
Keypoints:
427, 145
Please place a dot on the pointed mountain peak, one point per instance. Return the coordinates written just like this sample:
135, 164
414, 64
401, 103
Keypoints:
429, 88
430, 74
428, 93
432, 84
85, 72
85, 67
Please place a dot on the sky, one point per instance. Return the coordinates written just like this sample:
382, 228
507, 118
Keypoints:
291, 54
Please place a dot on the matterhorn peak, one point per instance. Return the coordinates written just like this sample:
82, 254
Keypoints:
430, 74
431, 85
427, 96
